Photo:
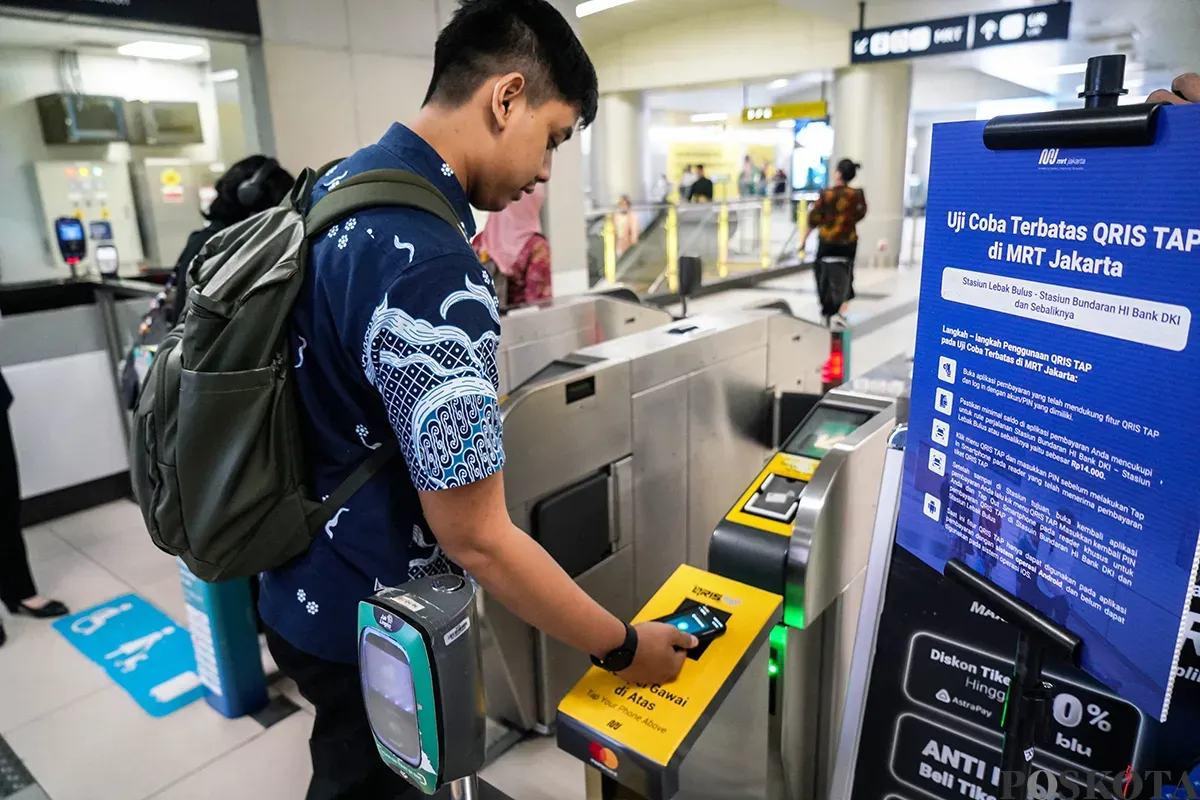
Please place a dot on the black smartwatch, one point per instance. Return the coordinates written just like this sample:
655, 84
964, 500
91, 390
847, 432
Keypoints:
622, 657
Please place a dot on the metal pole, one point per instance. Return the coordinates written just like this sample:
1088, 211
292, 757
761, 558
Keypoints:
862, 15
610, 249
723, 240
766, 233
465, 788
106, 305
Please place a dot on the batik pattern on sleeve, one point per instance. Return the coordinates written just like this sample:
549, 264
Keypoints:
438, 383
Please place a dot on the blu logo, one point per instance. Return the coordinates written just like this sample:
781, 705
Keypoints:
1049, 157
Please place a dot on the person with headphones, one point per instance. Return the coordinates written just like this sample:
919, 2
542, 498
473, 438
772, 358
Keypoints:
249, 187
252, 185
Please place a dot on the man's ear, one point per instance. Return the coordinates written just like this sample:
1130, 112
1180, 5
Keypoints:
509, 89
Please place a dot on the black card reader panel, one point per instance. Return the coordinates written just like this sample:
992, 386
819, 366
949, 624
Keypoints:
573, 525
777, 498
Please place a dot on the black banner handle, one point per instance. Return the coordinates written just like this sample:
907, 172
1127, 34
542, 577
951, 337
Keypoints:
1101, 123
1016, 612
1027, 703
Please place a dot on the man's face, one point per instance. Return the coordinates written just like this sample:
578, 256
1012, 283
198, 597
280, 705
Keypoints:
522, 152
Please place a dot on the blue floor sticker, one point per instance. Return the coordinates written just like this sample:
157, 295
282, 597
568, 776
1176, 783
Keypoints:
145, 652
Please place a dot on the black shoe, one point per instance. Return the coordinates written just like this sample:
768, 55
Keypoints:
51, 610
3, 636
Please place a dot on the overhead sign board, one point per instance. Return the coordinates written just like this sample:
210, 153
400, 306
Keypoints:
818, 109
937, 36
1044, 23
958, 34
229, 16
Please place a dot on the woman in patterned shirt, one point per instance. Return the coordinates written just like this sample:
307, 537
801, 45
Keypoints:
836, 215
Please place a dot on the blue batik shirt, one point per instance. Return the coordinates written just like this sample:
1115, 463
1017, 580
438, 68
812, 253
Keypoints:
393, 334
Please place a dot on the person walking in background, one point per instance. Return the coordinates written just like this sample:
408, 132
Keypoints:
512, 241
17, 589
626, 223
836, 215
748, 180
685, 184
662, 190
702, 187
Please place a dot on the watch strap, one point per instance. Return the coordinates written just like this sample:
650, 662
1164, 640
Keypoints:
621, 657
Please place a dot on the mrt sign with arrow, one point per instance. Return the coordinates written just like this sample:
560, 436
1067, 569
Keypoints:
956, 34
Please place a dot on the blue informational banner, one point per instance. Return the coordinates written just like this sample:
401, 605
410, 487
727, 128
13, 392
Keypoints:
142, 649
1055, 424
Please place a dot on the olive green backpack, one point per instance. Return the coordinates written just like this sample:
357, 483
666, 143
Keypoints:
216, 453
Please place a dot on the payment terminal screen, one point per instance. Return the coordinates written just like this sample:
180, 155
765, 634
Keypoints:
391, 697
823, 430
70, 230
697, 621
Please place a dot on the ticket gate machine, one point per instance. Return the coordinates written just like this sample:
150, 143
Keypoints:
621, 458
803, 530
532, 337
801, 534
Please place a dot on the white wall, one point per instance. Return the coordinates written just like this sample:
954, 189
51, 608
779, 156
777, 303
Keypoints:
28, 73
340, 72
733, 44
939, 89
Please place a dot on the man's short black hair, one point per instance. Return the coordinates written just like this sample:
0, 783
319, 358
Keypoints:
490, 37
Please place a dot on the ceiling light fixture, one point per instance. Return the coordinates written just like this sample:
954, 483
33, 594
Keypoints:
1068, 69
787, 124
1080, 69
716, 116
590, 7
223, 76
165, 51
782, 83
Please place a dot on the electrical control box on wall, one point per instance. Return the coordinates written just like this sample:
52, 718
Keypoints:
81, 119
100, 195
172, 195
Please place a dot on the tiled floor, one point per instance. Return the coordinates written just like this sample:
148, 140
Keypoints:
83, 738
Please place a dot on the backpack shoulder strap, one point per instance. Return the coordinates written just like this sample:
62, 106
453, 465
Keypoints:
376, 188
349, 487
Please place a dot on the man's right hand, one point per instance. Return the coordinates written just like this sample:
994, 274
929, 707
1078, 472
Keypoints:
661, 651
1184, 89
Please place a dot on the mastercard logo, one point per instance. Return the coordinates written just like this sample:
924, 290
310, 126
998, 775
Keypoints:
602, 755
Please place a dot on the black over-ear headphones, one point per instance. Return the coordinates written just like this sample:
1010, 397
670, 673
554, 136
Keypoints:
250, 192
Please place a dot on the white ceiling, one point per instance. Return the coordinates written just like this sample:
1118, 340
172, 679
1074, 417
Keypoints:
40, 34
601, 28
1160, 34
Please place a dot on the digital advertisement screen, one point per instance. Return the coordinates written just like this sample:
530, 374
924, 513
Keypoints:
823, 430
391, 697
810, 158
